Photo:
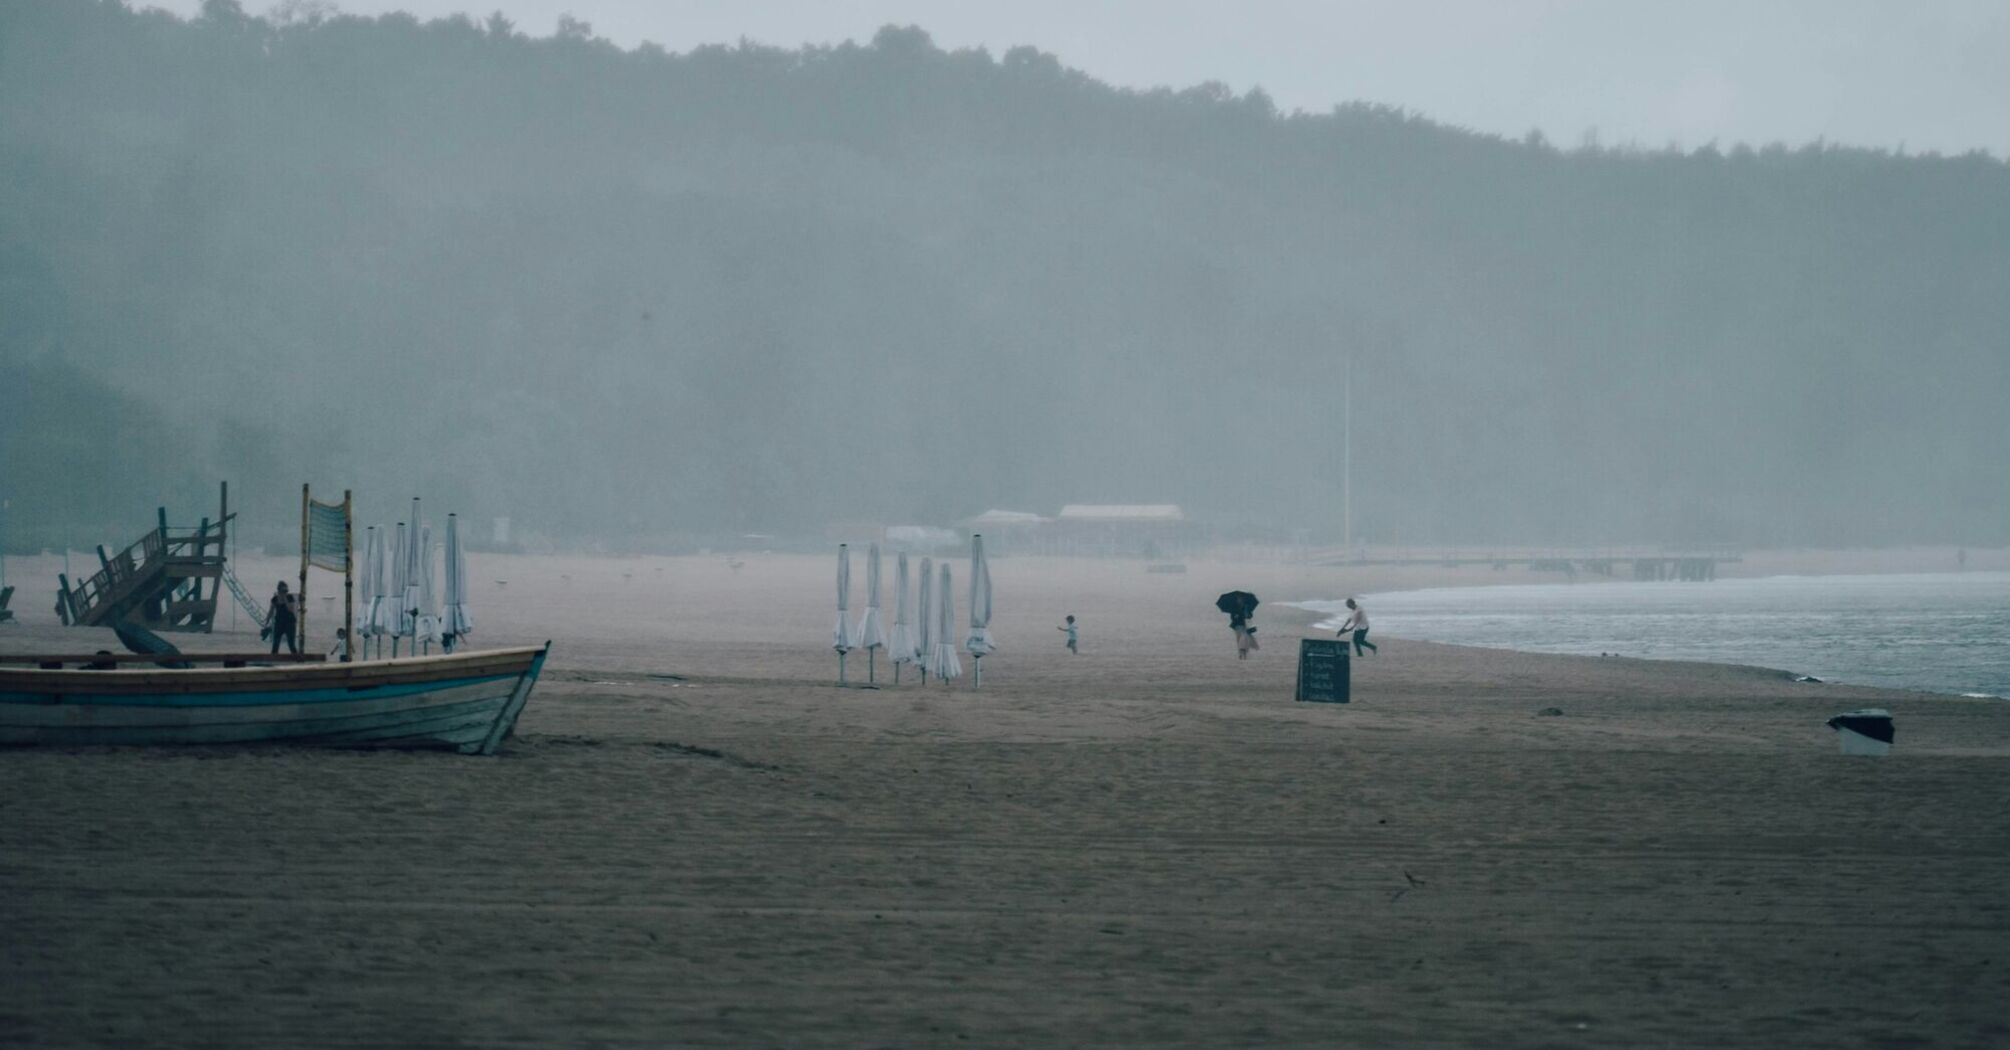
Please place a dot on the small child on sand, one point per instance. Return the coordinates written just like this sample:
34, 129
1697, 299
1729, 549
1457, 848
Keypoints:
1073, 639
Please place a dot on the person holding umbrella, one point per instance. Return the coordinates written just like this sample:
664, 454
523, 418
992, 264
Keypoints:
1240, 605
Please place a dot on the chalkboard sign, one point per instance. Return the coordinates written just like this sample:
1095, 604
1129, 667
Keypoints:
1323, 664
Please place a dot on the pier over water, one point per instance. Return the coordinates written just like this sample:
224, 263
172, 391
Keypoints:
1660, 563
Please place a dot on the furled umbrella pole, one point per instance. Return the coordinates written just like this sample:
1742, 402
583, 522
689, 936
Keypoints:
398, 623
979, 643
944, 663
415, 557
901, 646
924, 656
367, 603
381, 621
455, 623
871, 636
429, 599
841, 638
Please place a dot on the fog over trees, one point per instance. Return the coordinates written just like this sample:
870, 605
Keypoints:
652, 299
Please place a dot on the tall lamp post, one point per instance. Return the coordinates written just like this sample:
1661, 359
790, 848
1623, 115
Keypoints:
1347, 457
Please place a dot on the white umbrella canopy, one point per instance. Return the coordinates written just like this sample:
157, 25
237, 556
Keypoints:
429, 607
841, 638
398, 623
408, 610
944, 662
871, 635
455, 623
380, 621
366, 602
902, 644
980, 643
924, 631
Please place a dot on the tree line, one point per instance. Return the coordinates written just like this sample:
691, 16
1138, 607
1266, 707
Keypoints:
632, 296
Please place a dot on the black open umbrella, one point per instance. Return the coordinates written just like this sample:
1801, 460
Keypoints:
1237, 604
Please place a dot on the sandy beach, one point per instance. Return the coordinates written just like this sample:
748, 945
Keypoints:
697, 839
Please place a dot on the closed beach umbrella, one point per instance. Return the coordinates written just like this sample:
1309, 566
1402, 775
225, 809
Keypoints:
367, 601
924, 629
408, 618
901, 645
380, 605
841, 638
979, 642
398, 625
944, 663
871, 635
429, 599
455, 623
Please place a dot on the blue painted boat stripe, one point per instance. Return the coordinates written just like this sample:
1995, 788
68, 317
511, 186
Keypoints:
309, 696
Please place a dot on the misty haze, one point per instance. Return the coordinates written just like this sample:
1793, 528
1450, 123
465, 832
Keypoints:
873, 524
659, 300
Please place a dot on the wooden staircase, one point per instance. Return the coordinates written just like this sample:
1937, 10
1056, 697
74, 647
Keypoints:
168, 580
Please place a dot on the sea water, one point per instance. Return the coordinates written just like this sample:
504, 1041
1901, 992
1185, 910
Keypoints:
1939, 632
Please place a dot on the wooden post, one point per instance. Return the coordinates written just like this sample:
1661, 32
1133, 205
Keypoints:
348, 577
195, 582
223, 548
300, 621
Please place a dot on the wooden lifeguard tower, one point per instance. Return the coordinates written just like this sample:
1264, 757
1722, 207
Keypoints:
167, 580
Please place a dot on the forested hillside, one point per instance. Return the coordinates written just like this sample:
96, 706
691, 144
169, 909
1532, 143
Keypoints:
635, 296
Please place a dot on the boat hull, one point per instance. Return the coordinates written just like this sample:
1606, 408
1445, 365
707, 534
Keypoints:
465, 702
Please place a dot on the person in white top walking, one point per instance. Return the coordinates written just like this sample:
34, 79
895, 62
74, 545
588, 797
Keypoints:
1357, 622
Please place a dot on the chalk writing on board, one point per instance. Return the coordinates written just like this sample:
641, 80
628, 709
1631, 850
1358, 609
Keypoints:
1323, 668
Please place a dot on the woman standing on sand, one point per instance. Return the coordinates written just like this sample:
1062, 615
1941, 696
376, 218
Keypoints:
282, 616
1245, 637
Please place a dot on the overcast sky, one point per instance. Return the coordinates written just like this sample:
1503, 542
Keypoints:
1925, 74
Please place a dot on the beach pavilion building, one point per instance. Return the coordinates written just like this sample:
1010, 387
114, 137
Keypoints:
1151, 530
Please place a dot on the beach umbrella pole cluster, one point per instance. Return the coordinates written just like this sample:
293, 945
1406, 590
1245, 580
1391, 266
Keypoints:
407, 608
927, 639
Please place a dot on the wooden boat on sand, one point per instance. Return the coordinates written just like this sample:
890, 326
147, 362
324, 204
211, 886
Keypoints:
466, 702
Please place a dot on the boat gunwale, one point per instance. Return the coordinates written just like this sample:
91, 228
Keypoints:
362, 674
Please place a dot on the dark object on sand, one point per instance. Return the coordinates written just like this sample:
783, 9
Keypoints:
1323, 671
1550, 712
1237, 604
146, 643
1865, 732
